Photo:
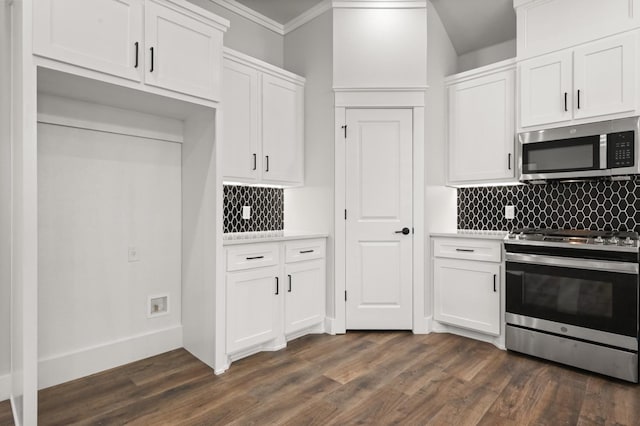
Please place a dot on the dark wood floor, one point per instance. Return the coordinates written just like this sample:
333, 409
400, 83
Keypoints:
361, 377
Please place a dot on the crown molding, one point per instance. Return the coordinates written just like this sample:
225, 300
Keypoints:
307, 16
315, 11
251, 15
377, 4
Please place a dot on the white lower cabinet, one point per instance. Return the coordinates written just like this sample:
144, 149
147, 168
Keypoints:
252, 307
304, 300
467, 284
275, 292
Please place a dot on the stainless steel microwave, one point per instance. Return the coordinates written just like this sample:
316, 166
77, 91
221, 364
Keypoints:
606, 148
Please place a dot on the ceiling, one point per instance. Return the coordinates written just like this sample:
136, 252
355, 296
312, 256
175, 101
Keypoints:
281, 11
474, 24
471, 24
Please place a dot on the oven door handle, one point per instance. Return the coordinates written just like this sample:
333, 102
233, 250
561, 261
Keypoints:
566, 262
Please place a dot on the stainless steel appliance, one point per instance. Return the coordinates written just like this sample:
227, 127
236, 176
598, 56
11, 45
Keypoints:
607, 148
572, 297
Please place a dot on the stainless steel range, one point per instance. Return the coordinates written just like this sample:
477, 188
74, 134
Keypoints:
572, 297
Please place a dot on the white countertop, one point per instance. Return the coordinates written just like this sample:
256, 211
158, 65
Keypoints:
470, 233
266, 236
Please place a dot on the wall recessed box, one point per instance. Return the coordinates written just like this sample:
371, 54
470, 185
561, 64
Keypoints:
158, 305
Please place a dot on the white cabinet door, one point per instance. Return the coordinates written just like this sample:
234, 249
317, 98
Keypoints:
183, 53
467, 294
102, 35
241, 151
481, 128
282, 131
253, 307
545, 89
305, 295
605, 76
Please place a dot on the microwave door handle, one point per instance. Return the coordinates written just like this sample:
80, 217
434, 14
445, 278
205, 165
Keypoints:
603, 152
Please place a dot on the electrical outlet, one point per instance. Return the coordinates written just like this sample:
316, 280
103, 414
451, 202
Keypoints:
158, 305
133, 255
509, 212
246, 212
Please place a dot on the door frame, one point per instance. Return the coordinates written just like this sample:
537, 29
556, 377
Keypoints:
413, 99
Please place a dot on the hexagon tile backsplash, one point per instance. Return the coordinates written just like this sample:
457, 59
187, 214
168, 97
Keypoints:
267, 208
600, 205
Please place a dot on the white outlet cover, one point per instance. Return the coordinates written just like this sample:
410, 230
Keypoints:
133, 255
509, 212
246, 212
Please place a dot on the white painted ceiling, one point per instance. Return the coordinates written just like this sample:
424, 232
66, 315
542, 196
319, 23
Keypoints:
281, 11
471, 24
474, 24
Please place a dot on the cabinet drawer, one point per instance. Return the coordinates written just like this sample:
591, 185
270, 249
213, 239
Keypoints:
297, 251
470, 249
252, 256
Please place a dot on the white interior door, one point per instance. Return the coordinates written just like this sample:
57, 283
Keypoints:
379, 265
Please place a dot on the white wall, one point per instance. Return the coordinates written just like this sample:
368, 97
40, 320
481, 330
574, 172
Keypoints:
487, 55
309, 52
440, 201
5, 201
99, 194
379, 48
246, 36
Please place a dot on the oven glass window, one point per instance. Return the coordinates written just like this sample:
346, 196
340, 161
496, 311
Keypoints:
600, 300
562, 156
578, 157
571, 296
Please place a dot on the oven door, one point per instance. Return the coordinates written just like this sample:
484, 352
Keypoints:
552, 293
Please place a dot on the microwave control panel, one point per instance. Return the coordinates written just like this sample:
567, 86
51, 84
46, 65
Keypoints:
620, 150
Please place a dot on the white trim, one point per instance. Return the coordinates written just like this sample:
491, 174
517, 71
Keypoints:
314, 12
241, 58
339, 239
195, 12
307, 16
84, 362
367, 4
250, 14
16, 413
330, 326
90, 116
5, 387
496, 341
507, 64
382, 98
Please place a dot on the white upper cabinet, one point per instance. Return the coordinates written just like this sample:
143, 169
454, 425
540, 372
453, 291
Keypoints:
169, 44
481, 125
605, 75
282, 130
241, 149
263, 123
104, 35
545, 89
551, 25
184, 52
589, 82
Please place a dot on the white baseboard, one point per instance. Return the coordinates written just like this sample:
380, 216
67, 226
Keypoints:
70, 366
16, 408
5, 387
497, 341
424, 326
331, 327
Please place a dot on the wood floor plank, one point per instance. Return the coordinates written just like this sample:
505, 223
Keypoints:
6, 415
359, 378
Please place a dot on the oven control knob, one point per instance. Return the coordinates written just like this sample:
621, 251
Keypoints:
598, 240
628, 242
613, 240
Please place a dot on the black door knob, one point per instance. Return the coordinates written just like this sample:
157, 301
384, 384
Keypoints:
405, 231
